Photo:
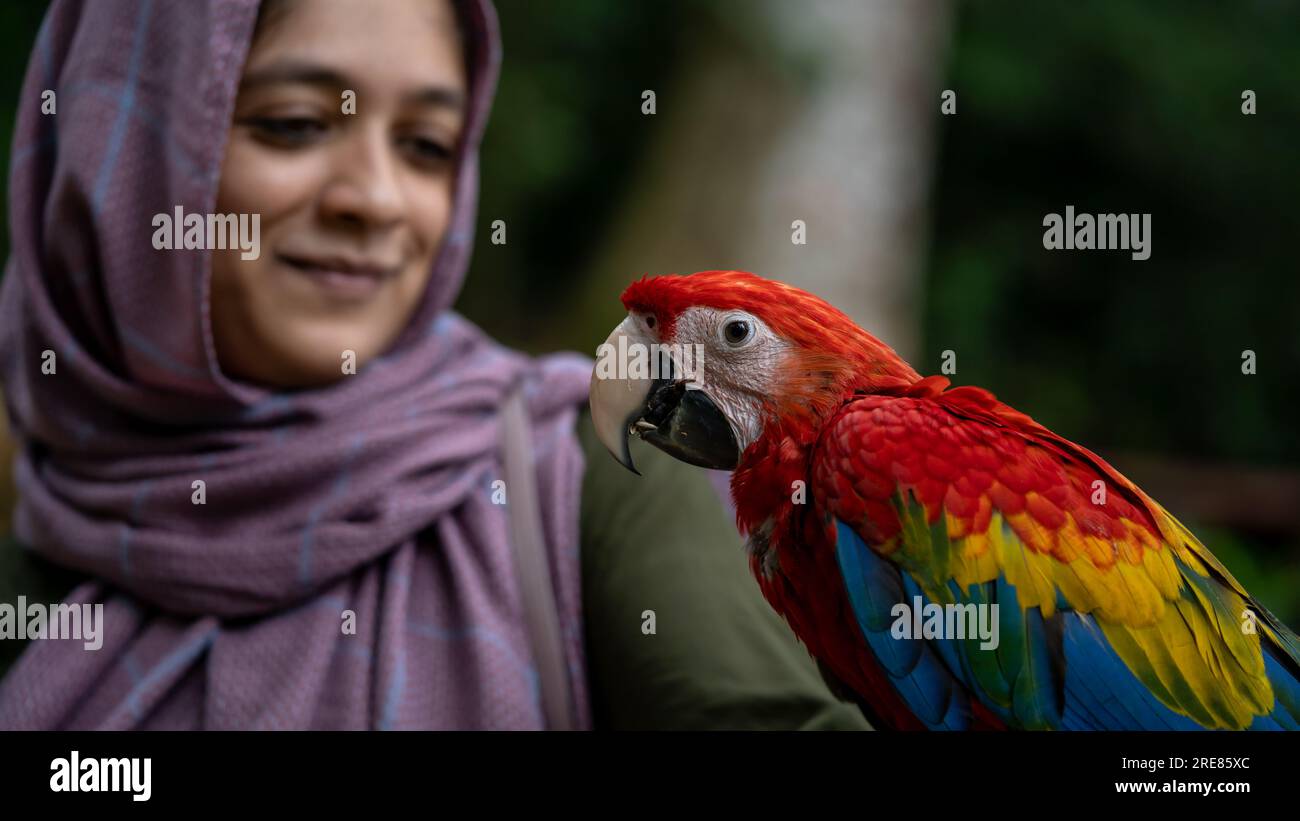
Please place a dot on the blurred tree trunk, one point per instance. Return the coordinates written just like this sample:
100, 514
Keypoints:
822, 112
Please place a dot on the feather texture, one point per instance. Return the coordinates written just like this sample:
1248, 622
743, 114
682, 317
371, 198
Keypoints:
1112, 615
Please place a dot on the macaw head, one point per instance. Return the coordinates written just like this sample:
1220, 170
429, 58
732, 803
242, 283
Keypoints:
704, 364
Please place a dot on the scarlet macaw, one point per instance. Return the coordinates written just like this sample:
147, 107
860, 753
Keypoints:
866, 490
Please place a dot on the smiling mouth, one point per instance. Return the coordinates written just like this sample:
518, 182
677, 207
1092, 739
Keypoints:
344, 279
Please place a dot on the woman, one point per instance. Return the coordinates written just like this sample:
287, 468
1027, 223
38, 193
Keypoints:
278, 466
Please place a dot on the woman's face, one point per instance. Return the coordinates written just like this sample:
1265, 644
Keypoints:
353, 205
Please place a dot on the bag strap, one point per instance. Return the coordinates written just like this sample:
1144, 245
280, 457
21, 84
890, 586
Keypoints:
533, 570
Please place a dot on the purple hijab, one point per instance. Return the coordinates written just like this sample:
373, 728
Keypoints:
373, 495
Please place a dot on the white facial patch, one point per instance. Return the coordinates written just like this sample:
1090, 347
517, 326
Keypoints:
738, 377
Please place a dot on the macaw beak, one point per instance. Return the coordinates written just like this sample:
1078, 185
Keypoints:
682, 421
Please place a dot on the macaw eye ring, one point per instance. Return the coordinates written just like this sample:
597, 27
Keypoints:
736, 331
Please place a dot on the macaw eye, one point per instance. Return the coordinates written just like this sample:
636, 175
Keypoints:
737, 332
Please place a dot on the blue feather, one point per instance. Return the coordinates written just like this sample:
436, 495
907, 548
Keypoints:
922, 680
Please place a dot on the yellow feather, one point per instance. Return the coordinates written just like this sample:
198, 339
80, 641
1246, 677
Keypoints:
1179, 635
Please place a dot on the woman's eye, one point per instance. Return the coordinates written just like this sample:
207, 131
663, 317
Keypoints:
428, 152
737, 331
288, 130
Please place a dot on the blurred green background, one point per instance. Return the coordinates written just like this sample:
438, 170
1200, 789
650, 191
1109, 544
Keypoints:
1108, 106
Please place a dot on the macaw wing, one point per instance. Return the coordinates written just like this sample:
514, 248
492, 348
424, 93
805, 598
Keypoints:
1109, 613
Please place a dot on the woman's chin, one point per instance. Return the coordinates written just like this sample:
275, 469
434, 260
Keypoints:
299, 360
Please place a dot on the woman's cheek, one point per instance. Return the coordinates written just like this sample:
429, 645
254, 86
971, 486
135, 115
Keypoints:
257, 179
254, 329
430, 220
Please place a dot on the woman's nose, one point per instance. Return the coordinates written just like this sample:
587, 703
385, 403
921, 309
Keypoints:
365, 187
